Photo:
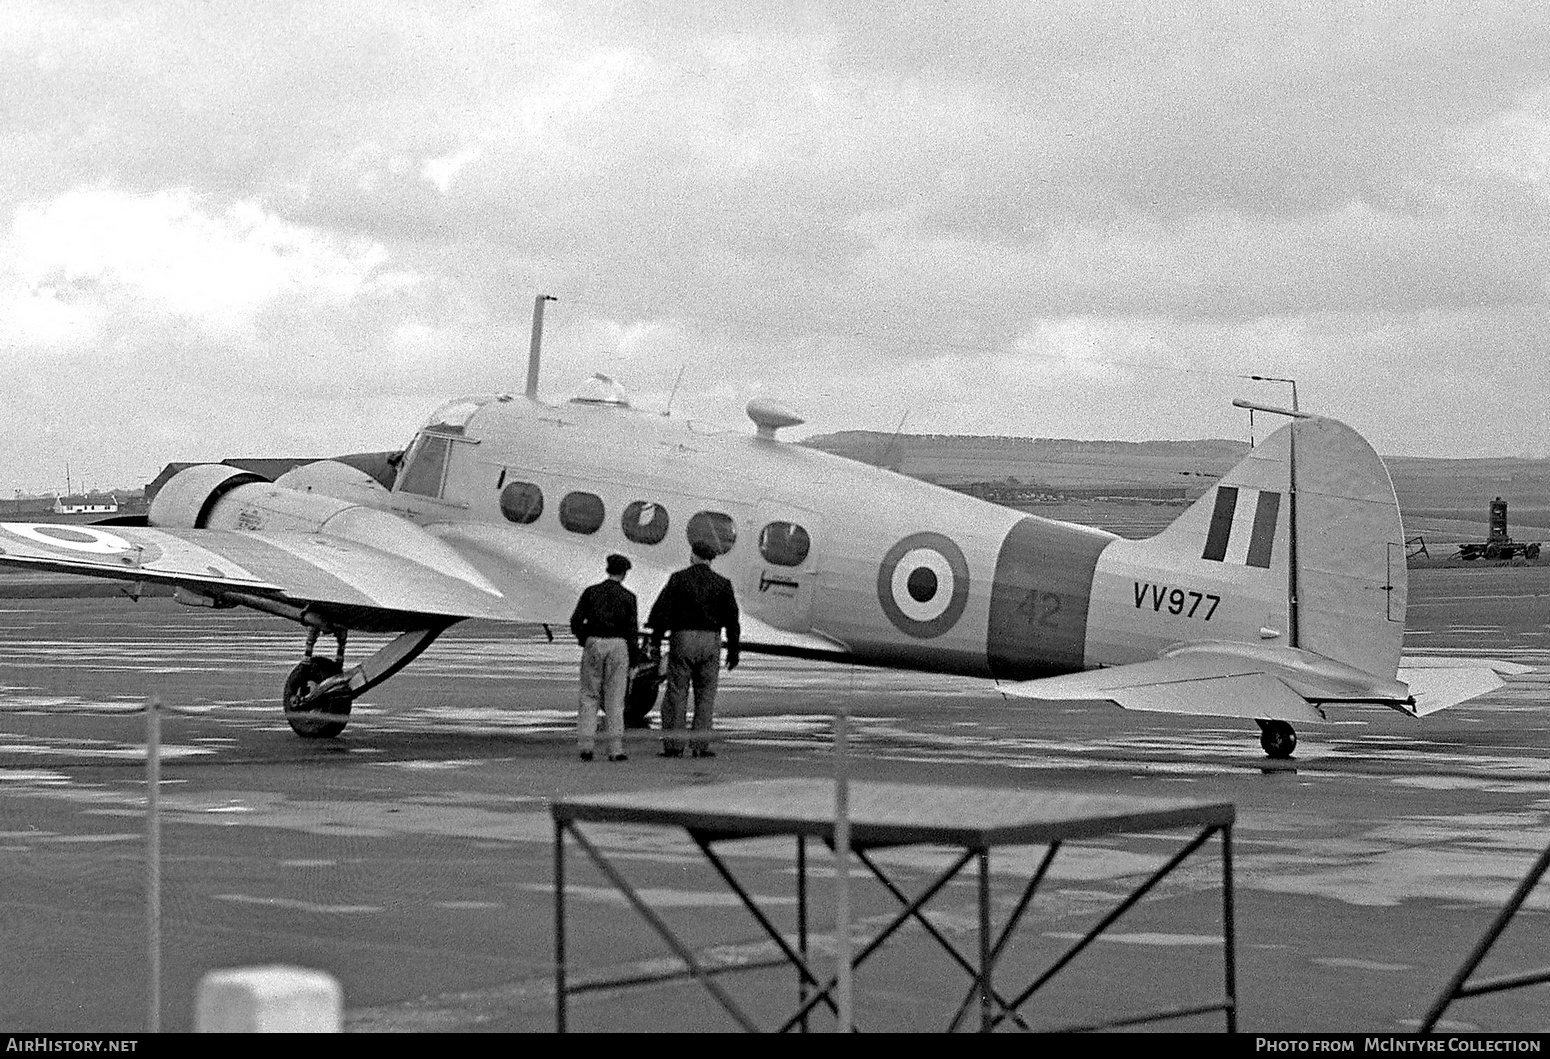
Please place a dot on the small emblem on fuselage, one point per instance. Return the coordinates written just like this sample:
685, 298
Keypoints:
923, 585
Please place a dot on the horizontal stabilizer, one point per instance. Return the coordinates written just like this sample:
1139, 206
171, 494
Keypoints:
1437, 683
1179, 684
1225, 679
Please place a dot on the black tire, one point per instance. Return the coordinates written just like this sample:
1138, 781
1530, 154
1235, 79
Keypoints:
641, 698
1531, 552
318, 720
1278, 739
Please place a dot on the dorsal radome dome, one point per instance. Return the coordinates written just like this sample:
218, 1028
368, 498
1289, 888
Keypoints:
602, 389
453, 417
769, 417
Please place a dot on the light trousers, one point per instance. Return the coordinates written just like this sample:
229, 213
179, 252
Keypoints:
605, 671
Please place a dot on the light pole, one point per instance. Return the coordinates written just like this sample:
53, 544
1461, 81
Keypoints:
1271, 378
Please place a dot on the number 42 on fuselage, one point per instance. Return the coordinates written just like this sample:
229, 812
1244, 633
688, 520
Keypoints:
1279, 593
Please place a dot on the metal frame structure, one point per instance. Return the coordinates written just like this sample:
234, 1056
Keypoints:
973, 821
1458, 988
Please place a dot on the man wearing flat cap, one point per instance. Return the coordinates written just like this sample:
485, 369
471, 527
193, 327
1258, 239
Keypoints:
695, 606
606, 624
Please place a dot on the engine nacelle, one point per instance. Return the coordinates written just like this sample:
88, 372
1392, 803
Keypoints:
218, 497
189, 496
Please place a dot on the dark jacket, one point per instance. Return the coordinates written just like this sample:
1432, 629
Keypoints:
697, 597
606, 609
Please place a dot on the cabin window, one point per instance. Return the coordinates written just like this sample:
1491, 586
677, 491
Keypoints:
428, 467
716, 529
784, 544
581, 512
522, 502
645, 522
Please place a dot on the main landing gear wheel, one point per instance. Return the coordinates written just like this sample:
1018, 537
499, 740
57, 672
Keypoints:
1277, 738
325, 718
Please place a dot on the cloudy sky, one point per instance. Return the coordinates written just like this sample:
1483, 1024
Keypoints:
294, 229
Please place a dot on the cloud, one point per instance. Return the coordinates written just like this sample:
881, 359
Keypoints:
314, 209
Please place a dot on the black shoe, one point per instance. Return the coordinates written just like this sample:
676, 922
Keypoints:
618, 757
704, 751
671, 751
587, 755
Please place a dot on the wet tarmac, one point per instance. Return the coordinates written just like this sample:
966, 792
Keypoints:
412, 858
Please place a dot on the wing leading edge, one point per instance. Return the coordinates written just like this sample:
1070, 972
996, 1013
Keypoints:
295, 567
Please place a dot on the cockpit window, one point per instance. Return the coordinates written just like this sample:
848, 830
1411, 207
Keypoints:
427, 466
714, 528
645, 522
581, 512
784, 544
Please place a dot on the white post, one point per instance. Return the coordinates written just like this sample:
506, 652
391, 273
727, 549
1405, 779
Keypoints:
842, 865
275, 999
536, 341
153, 859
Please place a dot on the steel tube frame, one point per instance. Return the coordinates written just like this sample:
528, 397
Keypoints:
1228, 1005
1457, 989
991, 945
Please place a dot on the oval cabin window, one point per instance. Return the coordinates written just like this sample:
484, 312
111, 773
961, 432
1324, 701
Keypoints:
784, 544
645, 522
522, 502
716, 529
581, 512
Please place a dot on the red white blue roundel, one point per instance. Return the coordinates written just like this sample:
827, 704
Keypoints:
923, 584
72, 538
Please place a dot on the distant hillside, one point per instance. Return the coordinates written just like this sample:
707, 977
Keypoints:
1443, 500
953, 460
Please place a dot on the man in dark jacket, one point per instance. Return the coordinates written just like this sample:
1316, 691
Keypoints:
695, 606
606, 624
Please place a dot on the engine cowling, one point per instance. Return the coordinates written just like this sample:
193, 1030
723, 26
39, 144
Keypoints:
218, 497
189, 496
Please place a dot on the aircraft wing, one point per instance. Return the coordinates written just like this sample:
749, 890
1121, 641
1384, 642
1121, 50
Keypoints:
286, 566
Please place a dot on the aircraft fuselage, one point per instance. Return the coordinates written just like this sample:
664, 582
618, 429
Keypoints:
883, 568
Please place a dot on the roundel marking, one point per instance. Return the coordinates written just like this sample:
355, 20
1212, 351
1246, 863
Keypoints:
73, 538
923, 585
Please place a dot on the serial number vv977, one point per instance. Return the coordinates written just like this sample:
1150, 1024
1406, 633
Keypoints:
1182, 601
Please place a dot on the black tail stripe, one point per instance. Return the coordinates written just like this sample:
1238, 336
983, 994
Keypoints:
1264, 529
1221, 523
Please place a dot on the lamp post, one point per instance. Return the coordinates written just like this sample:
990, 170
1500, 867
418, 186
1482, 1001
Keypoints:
1272, 378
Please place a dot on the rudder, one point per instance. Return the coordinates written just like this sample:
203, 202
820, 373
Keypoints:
1349, 549
1319, 567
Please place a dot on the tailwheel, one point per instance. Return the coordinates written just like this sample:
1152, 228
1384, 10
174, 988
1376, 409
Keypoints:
1277, 738
324, 718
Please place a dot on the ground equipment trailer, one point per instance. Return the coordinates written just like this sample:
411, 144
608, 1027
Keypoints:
1497, 544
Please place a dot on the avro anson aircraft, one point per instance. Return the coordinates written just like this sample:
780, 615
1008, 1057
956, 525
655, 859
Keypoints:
1280, 593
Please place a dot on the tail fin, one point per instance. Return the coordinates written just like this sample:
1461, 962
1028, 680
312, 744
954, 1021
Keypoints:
1349, 553
1306, 530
